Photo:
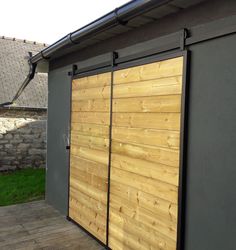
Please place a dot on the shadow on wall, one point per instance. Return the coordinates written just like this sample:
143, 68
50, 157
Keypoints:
22, 141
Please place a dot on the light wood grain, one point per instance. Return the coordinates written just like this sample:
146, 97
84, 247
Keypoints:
164, 156
119, 203
145, 156
144, 216
90, 121
159, 87
101, 118
146, 168
126, 224
93, 142
91, 93
168, 103
90, 154
165, 121
140, 198
90, 129
92, 179
89, 202
145, 136
151, 186
90, 213
88, 221
100, 80
156, 70
91, 105
89, 166
128, 240
88, 190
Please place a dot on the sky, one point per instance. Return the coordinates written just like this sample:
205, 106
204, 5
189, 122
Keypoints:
47, 21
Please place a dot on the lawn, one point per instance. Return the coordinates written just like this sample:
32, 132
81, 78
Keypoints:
22, 186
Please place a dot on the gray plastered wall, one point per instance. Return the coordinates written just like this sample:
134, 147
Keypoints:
57, 130
211, 164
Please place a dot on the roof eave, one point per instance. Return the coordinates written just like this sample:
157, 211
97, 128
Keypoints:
119, 16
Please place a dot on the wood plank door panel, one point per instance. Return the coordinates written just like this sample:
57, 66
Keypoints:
145, 156
90, 121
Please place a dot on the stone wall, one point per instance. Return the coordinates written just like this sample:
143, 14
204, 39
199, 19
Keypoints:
22, 139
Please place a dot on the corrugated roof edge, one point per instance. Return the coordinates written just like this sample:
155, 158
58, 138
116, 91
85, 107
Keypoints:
23, 40
118, 16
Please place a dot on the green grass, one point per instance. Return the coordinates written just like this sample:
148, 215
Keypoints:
22, 186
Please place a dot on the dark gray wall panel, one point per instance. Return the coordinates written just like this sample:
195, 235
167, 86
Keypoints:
58, 126
211, 167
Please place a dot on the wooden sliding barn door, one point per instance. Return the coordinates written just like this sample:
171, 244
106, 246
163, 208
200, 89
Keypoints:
145, 156
90, 118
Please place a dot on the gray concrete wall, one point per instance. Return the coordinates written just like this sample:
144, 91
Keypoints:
22, 139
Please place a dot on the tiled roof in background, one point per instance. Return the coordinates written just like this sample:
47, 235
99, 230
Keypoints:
13, 70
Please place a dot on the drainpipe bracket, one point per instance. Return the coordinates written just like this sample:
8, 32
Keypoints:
73, 71
44, 57
118, 20
71, 40
115, 56
183, 36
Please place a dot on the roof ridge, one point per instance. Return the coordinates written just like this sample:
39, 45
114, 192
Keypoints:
23, 40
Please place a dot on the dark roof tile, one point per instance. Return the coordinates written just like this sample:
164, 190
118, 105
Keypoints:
14, 69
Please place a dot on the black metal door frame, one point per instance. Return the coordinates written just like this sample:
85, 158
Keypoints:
75, 74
